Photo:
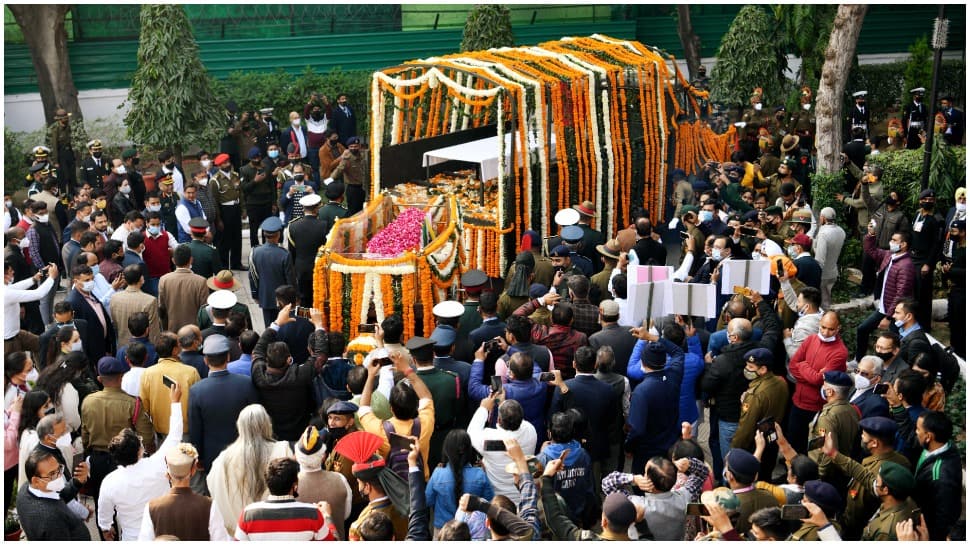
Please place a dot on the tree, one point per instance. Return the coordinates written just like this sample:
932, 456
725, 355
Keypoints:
835, 73
747, 58
804, 28
487, 26
919, 67
46, 37
688, 40
171, 100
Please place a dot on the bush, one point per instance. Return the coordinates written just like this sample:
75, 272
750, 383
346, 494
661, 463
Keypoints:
487, 26
16, 158
956, 404
902, 171
886, 84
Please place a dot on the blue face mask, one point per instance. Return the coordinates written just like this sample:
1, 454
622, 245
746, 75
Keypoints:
706, 215
899, 324
273, 154
96, 269
154, 230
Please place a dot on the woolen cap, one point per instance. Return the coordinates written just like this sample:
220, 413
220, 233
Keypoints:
254, 153
654, 355
881, 427
897, 477
837, 378
180, 460
609, 308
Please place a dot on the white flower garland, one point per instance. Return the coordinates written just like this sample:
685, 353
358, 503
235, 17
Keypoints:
376, 133
395, 270
662, 130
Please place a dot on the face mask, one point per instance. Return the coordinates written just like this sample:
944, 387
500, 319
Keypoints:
861, 382
154, 230
926, 205
316, 116
758, 106
8, 204
205, 163
24, 244
716, 254
865, 445
295, 122
894, 247
57, 484
822, 392
355, 151
170, 166
885, 356
298, 177
50, 410
792, 252
97, 154
273, 154
337, 433
750, 375
121, 170
88, 286
756, 257
899, 324
43, 218
706, 215
806, 106
961, 206
826, 339
801, 311
154, 207
77, 346
126, 189
96, 270
204, 182
875, 488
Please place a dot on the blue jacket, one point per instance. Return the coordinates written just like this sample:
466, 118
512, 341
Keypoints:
600, 405
440, 492
286, 202
151, 357
214, 405
869, 404
242, 366
655, 409
693, 368
719, 339
575, 481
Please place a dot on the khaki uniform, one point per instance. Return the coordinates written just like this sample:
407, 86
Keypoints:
225, 189
59, 139
841, 420
105, 413
809, 532
602, 282
802, 120
682, 195
385, 506
766, 396
754, 120
752, 501
859, 501
882, 525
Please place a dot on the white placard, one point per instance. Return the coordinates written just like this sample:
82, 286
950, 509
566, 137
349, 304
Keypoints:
648, 299
701, 299
745, 272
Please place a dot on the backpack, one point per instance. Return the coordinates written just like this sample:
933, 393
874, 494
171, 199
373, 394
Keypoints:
397, 456
949, 366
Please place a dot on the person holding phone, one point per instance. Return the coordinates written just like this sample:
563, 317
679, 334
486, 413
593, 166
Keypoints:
511, 424
825, 496
766, 397
837, 417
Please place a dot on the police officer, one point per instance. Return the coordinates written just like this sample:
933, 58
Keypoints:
269, 268
825, 496
955, 270
62, 149
225, 188
837, 417
95, 166
925, 249
205, 258
591, 237
305, 235
564, 267
878, 438
766, 397
858, 117
473, 282
335, 208
914, 118
893, 487
572, 238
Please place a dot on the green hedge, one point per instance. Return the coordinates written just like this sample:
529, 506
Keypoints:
902, 171
886, 85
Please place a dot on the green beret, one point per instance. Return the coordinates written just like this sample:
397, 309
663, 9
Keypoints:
897, 477
689, 208
773, 211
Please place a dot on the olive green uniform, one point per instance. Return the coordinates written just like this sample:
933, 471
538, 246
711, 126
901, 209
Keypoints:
802, 120
445, 390
882, 525
809, 532
682, 195
842, 421
859, 501
205, 259
602, 282
751, 501
470, 320
766, 396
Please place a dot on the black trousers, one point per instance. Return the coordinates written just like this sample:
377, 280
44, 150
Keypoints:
355, 198
924, 296
230, 250
257, 214
868, 275
797, 433
957, 309
304, 285
9, 482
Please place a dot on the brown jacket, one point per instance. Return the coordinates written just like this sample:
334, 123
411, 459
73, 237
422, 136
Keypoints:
181, 294
181, 513
127, 302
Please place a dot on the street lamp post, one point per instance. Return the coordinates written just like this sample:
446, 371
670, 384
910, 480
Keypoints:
940, 28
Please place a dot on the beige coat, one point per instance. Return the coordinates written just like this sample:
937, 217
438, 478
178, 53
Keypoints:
181, 294
127, 302
223, 481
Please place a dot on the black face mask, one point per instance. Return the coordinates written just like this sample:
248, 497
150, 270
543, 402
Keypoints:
50, 410
337, 433
926, 205
316, 116
885, 356
97, 154
355, 151
298, 177
170, 166
135, 161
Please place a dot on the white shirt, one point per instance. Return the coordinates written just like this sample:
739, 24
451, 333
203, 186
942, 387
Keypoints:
127, 490
131, 382
121, 235
183, 217
298, 131
103, 291
217, 527
495, 462
16, 293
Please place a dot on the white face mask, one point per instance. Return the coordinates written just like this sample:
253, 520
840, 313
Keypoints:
894, 247
206, 163
88, 286
8, 204
154, 207
716, 254
77, 346
43, 218
57, 484
826, 339
861, 382
961, 206
121, 170
807, 106
758, 106
126, 189
204, 182
295, 122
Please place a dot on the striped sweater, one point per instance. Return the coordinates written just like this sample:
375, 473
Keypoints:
282, 518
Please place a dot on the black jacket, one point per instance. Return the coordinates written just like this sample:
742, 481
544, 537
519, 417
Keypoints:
939, 483
287, 396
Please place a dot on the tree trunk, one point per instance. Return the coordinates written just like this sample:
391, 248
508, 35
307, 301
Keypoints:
44, 33
690, 42
835, 72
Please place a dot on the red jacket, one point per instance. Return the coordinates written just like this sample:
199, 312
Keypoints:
808, 365
156, 255
901, 281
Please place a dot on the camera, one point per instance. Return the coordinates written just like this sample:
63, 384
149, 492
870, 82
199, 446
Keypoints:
492, 346
303, 312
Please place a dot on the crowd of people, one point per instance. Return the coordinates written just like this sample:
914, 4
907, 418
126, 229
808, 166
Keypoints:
542, 410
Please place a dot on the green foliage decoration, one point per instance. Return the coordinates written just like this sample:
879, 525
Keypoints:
171, 101
805, 29
487, 26
919, 67
748, 58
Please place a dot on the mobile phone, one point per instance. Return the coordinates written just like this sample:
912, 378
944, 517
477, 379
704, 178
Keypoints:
496, 383
494, 445
767, 426
167, 381
398, 442
881, 388
683, 234
815, 443
303, 312
366, 328
491, 345
780, 267
698, 509
547, 377
748, 231
794, 511
916, 514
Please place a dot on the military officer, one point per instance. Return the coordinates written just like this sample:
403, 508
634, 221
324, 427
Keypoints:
473, 282
766, 397
35, 179
609, 256
925, 248
305, 235
225, 188
564, 267
259, 187
858, 117
445, 388
272, 134
95, 166
825, 496
893, 486
269, 268
878, 438
572, 238
335, 208
61, 146
563, 218
169, 201
591, 237
753, 117
914, 118
802, 122
837, 417
205, 258
682, 193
